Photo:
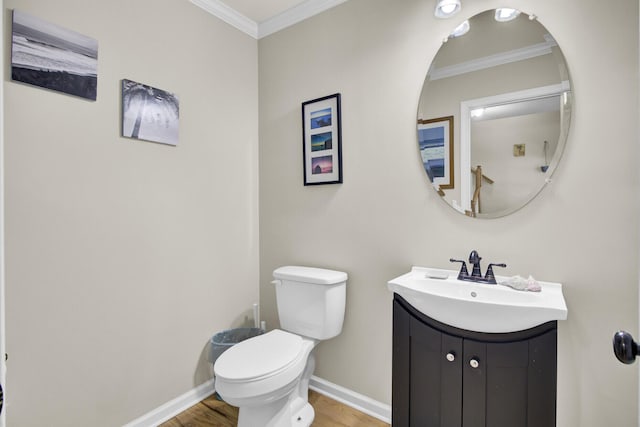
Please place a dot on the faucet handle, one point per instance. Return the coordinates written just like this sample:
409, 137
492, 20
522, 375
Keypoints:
490, 277
464, 273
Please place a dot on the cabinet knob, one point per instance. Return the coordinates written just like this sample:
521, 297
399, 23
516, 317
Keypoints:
474, 363
451, 356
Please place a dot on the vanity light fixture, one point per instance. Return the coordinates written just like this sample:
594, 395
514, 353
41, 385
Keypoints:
505, 14
447, 8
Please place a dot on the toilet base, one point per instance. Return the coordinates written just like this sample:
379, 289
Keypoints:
291, 412
287, 406
304, 417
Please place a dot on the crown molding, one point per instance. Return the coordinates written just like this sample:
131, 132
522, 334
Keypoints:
229, 15
494, 60
294, 15
281, 21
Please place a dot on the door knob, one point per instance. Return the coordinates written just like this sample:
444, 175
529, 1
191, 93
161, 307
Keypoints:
624, 347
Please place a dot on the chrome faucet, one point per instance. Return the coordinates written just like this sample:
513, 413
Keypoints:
476, 272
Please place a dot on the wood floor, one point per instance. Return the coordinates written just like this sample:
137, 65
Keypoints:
329, 413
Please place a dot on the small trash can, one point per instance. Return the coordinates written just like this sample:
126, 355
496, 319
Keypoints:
224, 340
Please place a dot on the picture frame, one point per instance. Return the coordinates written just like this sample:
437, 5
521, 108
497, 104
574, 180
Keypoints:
322, 140
435, 141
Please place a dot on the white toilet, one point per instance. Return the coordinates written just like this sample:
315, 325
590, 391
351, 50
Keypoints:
267, 376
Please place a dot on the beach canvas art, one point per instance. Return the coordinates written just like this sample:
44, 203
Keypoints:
49, 56
431, 141
435, 140
149, 113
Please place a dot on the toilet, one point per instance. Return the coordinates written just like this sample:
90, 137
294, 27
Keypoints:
267, 376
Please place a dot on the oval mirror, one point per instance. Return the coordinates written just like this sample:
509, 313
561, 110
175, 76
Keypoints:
494, 113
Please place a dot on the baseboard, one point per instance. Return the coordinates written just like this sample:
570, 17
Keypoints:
343, 395
350, 398
174, 407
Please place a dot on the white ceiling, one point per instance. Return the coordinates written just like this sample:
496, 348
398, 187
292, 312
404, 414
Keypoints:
260, 18
261, 10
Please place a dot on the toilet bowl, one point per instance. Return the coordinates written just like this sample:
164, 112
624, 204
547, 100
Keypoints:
267, 376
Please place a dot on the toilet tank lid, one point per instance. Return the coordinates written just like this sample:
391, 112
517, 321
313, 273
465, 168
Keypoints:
317, 276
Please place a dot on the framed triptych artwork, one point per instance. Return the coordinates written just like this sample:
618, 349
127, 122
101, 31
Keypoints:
321, 141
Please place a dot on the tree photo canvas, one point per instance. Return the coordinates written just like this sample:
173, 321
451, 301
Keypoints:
149, 113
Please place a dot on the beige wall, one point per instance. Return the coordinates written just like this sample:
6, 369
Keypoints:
123, 257
516, 179
581, 231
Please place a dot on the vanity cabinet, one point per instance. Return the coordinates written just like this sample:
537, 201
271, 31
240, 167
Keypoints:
449, 377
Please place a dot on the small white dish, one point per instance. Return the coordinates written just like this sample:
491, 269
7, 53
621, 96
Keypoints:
437, 274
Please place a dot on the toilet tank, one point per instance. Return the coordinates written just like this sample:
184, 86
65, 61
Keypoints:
311, 301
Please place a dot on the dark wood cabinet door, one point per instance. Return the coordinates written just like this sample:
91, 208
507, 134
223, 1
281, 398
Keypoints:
521, 382
436, 377
401, 377
542, 385
427, 374
451, 381
507, 377
474, 384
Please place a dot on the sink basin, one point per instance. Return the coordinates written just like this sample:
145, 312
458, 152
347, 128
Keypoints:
478, 307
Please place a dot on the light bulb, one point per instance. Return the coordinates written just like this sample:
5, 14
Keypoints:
505, 14
461, 29
447, 8
478, 112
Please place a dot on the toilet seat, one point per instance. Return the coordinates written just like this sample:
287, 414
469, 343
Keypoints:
260, 357
262, 369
